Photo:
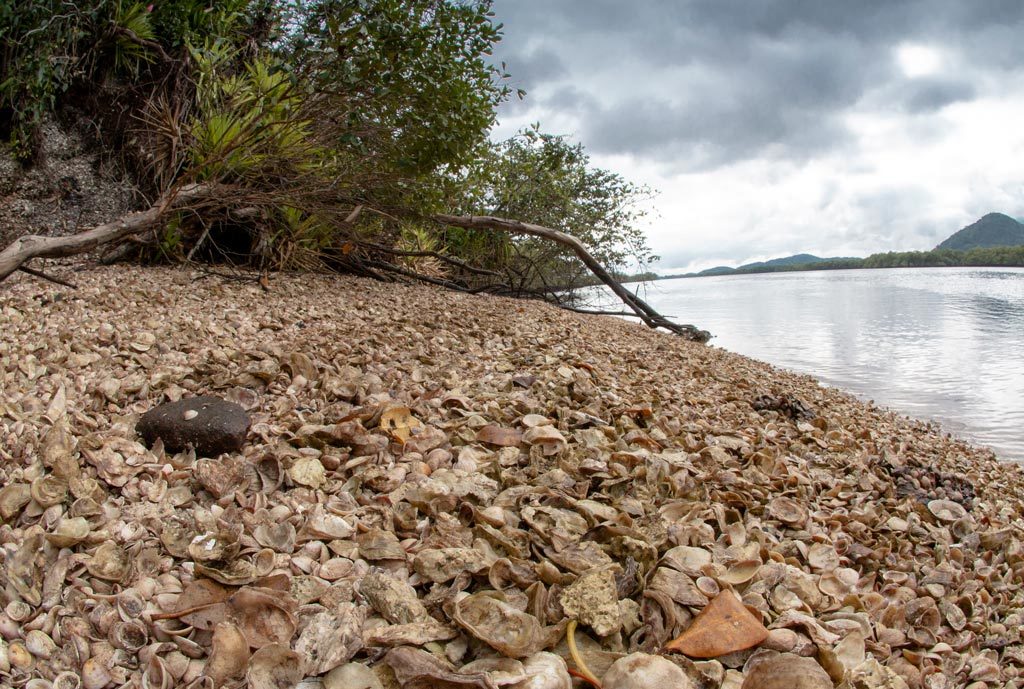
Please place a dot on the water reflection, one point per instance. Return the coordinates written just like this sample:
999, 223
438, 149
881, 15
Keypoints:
942, 343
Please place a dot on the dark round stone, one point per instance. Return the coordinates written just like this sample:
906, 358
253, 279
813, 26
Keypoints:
217, 426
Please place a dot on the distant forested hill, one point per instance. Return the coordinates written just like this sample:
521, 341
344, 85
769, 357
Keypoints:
994, 229
773, 265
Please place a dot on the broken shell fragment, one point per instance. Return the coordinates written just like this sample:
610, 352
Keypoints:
687, 559
279, 537
499, 437
548, 437
741, 572
308, 471
724, 626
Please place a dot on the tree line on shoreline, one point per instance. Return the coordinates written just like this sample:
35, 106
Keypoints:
999, 256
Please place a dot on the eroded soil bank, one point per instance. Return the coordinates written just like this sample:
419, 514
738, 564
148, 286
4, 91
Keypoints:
435, 484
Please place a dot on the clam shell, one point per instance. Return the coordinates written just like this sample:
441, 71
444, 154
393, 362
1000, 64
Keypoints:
645, 671
229, 655
274, 667
788, 511
13, 498
688, 560
946, 510
110, 562
214, 547
49, 490
786, 671
490, 619
68, 532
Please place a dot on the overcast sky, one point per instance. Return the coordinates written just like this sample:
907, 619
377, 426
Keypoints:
773, 127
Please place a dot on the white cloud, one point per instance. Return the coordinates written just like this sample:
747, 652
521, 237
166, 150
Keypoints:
918, 60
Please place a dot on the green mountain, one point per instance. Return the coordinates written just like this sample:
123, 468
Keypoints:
797, 259
786, 261
994, 229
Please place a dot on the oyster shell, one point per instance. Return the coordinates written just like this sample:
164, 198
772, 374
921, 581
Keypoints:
507, 630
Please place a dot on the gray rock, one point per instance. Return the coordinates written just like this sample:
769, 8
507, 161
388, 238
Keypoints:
216, 426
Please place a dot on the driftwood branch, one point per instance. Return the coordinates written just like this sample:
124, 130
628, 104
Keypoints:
44, 276
30, 246
642, 309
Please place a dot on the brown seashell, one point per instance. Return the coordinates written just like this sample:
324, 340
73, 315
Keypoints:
548, 437
788, 510
229, 655
214, 547
946, 510
489, 618
49, 490
499, 436
68, 532
644, 671
67, 680
741, 572
109, 562
787, 671
352, 676
280, 537
270, 473
40, 644
130, 636
13, 498
724, 626
18, 610
308, 471
95, 674
236, 573
544, 671
274, 667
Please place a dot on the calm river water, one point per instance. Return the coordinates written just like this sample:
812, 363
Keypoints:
933, 343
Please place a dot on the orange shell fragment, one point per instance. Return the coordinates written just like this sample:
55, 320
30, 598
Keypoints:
723, 626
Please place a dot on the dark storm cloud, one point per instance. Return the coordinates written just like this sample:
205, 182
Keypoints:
709, 82
926, 95
532, 67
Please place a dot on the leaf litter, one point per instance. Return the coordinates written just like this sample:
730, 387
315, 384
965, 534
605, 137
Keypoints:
441, 490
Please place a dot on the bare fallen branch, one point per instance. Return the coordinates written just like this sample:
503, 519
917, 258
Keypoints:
642, 309
50, 278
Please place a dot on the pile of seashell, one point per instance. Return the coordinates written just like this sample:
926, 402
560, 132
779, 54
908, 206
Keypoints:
451, 491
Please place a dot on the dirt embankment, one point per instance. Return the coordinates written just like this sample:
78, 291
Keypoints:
73, 189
